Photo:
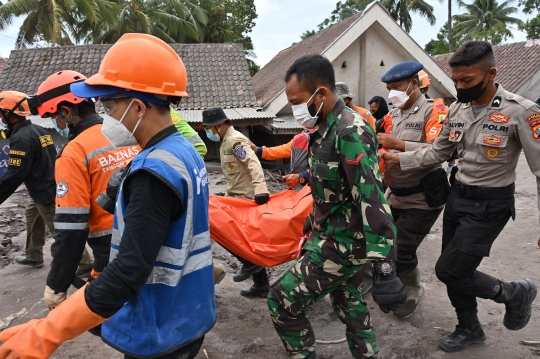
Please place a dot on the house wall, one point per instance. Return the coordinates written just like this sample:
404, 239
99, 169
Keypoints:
347, 68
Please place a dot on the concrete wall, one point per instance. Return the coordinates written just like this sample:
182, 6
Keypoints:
347, 68
531, 89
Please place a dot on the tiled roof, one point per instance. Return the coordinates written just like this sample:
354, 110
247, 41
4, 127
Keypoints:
268, 82
516, 63
3, 64
218, 74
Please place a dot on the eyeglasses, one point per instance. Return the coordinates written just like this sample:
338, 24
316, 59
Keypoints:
109, 104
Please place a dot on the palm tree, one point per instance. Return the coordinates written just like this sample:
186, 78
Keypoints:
486, 20
51, 21
400, 10
170, 20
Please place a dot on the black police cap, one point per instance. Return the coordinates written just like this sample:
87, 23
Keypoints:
402, 71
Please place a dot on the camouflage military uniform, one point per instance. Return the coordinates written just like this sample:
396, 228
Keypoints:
352, 223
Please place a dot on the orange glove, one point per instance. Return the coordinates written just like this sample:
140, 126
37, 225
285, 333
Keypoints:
382, 166
39, 338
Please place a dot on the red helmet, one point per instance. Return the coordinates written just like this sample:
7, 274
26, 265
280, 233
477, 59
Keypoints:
54, 90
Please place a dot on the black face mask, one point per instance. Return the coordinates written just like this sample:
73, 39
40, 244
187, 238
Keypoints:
472, 93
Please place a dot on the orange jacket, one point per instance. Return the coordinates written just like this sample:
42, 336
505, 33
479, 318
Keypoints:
277, 152
82, 172
432, 128
365, 114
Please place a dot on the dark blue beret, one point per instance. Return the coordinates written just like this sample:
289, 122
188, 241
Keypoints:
402, 71
213, 116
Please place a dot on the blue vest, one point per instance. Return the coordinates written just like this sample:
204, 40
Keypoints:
176, 305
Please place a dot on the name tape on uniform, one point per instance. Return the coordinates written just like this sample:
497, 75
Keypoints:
17, 153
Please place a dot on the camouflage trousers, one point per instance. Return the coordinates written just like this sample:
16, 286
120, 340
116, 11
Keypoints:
328, 267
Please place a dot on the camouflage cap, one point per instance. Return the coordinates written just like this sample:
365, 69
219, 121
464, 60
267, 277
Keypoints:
343, 90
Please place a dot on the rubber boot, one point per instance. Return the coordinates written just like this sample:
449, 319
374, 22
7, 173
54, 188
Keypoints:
517, 297
219, 274
247, 271
468, 331
367, 279
415, 292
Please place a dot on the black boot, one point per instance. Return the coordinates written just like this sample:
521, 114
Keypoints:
468, 331
260, 287
256, 291
517, 297
247, 271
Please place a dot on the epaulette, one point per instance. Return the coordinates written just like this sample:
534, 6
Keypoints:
526, 104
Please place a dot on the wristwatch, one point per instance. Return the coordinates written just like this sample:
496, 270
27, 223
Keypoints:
385, 268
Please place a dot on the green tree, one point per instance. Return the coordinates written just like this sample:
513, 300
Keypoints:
530, 5
531, 27
308, 33
170, 20
486, 20
53, 21
400, 11
231, 21
440, 45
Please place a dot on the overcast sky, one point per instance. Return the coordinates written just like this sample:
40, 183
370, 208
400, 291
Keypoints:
281, 22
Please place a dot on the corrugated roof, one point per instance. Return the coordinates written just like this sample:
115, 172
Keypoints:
516, 63
268, 82
286, 122
218, 74
195, 116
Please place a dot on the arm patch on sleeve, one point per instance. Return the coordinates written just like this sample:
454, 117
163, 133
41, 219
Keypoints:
17, 162
17, 153
239, 150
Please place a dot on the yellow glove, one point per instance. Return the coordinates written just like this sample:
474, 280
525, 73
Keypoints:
53, 299
39, 338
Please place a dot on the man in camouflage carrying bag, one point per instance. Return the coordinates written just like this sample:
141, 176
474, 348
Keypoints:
352, 221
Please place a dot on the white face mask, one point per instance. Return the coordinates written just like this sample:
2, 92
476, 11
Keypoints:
398, 98
116, 132
302, 113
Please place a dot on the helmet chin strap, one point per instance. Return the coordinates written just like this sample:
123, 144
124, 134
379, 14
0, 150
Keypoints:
70, 120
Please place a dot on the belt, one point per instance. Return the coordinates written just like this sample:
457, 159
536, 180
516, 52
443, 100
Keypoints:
403, 192
484, 193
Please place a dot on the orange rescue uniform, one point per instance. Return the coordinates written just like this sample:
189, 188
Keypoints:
82, 172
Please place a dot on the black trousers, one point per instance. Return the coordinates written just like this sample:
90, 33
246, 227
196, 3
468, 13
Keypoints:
470, 227
412, 227
189, 351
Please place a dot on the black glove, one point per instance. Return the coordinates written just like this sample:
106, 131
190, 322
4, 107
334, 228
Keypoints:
388, 290
107, 199
262, 198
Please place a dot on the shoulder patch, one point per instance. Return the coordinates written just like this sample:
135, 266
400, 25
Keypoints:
534, 122
46, 140
368, 113
239, 150
61, 189
496, 101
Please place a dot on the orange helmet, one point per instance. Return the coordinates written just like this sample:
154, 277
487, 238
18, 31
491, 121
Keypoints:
159, 71
13, 102
424, 79
53, 91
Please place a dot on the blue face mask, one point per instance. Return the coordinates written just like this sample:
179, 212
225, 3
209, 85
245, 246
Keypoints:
64, 132
212, 136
